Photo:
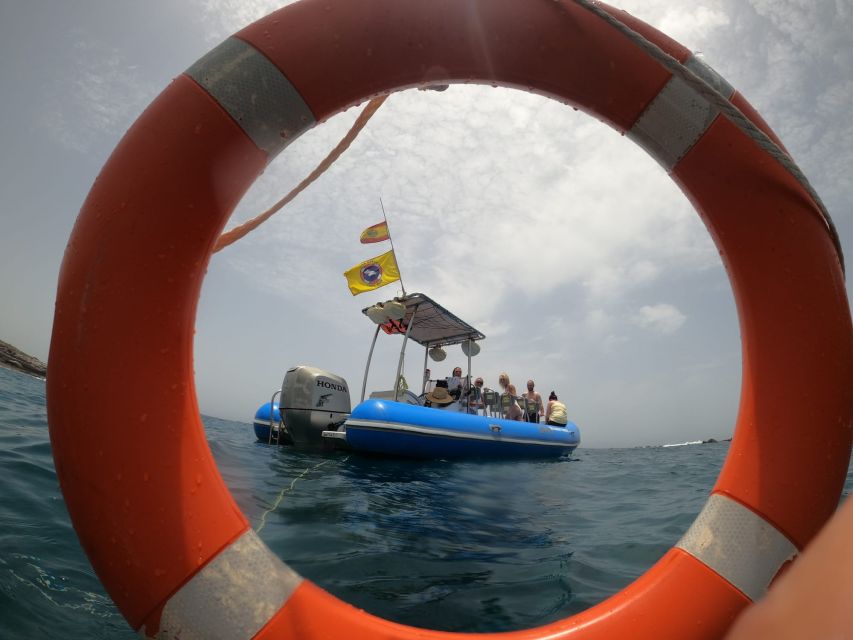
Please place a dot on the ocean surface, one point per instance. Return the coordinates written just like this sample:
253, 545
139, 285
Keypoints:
461, 546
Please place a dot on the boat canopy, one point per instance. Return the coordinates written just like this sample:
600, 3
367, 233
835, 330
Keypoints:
431, 324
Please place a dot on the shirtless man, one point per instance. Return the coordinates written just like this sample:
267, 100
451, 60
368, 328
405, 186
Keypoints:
534, 399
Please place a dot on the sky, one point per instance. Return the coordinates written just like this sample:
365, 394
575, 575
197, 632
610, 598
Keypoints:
563, 242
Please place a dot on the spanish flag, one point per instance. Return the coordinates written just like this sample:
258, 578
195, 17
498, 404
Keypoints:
376, 233
373, 273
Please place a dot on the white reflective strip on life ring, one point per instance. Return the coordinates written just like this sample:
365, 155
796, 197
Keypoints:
738, 544
673, 122
255, 93
232, 597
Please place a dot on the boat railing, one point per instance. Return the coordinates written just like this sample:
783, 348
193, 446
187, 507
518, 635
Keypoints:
504, 401
528, 406
275, 431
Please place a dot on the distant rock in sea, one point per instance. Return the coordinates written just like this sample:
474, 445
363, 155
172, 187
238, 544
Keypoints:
14, 358
708, 441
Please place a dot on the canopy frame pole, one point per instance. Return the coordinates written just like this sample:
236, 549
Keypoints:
423, 376
470, 386
403, 354
369, 358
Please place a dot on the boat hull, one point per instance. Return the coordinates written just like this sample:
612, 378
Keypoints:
392, 428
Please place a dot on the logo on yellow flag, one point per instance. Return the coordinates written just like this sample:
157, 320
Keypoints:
373, 273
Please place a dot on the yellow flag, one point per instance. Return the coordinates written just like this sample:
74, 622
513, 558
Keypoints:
373, 273
375, 233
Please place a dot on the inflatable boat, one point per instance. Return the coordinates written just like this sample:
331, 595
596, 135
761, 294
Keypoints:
315, 408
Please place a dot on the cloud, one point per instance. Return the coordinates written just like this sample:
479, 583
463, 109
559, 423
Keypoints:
693, 24
518, 196
598, 321
222, 18
661, 318
97, 99
811, 57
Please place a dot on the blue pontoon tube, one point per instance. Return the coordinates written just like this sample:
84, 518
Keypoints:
396, 422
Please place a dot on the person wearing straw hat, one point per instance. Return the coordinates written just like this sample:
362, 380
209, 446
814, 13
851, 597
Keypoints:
440, 398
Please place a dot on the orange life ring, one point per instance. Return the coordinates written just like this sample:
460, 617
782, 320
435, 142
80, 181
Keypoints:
151, 510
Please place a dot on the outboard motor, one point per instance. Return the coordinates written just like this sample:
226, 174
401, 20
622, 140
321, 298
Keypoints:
312, 401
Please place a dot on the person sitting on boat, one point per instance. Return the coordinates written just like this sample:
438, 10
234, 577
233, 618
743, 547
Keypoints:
475, 397
513, 411
429, 384
440, 398
506, 399
503, 382
534, 403
455, 384
555, 413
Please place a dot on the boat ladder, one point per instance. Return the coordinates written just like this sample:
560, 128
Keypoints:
275, 426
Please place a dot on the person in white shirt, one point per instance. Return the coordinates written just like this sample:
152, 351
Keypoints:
456, 384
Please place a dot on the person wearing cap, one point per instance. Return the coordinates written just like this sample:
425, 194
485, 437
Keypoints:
440, 398
555, 413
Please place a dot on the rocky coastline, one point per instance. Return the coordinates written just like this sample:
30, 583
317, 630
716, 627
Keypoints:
13, 358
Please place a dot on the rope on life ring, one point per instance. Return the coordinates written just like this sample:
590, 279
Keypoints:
233, 235
151, 510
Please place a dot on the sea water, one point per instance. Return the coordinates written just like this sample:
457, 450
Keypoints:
461, 546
